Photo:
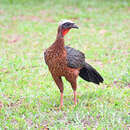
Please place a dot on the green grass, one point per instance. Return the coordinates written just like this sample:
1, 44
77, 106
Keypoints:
30, 97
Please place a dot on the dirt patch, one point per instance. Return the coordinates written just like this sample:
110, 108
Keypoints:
41, 19
26, 18
90, 9
44, 124
29, 122
103, 31
13, 38
1, 12
46, 16
128, 9
17, 103
1, 105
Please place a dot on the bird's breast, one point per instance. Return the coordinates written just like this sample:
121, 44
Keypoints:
56, 60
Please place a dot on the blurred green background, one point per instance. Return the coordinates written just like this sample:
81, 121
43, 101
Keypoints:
29, 98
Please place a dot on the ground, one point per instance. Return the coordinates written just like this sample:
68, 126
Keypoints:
29, 98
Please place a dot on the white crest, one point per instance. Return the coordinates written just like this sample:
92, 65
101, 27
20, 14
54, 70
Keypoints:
65, 21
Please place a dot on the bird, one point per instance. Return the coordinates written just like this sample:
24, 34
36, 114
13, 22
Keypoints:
64, 61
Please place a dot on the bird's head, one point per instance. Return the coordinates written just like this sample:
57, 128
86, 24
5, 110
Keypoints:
65, 26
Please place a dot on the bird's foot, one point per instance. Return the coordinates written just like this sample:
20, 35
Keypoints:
61, 106
75, 104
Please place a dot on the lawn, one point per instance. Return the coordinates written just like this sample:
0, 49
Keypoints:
29, 98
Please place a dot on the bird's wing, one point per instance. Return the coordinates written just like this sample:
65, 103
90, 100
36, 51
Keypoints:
75, 58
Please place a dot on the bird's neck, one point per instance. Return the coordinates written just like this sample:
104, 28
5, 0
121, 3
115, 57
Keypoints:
59, 43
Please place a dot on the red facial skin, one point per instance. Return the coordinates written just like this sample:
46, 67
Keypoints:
65, 31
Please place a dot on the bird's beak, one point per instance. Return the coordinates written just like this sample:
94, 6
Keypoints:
74, 26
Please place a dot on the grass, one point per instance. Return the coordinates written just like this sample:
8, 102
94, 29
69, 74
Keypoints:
29, 98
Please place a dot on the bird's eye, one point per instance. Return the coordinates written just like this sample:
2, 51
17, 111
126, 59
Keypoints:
66, 24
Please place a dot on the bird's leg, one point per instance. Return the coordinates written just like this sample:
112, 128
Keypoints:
75, 99
59, 83
74, 87
61, 100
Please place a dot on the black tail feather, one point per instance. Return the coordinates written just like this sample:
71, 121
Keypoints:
89, 74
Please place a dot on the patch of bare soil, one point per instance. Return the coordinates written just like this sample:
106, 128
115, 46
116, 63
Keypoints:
103, 31
42, 18
14, 38
1, 12
1, 105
